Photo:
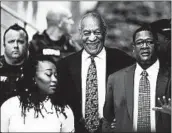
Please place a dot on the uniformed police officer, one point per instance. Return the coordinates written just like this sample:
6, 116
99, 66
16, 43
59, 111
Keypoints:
163, 29
56, 39
12, 62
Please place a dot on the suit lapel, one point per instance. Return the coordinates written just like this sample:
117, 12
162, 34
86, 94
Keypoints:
111, 62
76, 71
129, 87
161, 85
108, 66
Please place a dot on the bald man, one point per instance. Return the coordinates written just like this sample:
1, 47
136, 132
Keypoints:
56, 39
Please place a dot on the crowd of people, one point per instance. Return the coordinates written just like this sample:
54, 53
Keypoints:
51, 84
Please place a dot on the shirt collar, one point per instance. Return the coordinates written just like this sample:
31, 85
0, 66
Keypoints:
154, 68
151, 70
101, 55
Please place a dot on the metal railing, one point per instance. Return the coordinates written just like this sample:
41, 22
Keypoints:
3, 26
15, 15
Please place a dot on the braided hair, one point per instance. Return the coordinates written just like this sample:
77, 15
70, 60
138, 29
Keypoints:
29, 95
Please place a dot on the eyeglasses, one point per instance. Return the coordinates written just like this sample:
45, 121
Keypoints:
141, 42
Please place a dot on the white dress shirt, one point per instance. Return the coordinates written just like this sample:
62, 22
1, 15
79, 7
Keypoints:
152, 76
100, 61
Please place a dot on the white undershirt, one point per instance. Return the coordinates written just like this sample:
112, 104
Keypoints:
100, 61
152, 76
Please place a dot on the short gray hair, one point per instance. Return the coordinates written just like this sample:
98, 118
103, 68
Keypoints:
97, 16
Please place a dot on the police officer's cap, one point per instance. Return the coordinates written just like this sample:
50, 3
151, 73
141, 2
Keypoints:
162, 26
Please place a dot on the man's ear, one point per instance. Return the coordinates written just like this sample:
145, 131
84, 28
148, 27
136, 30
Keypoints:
105, 32
133, 47
60, 23
80, 32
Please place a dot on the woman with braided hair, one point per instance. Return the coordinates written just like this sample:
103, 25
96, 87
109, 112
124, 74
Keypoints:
40, 106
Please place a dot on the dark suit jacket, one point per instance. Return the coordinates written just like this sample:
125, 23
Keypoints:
70, 78
119, 99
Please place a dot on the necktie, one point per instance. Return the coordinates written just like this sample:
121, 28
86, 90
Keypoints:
91, 103
143, 122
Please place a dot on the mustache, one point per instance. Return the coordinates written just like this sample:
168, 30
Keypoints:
147, 48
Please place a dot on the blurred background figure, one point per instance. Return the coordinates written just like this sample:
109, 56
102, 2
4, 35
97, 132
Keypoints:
56, 38
36, 107
12, 62
163, 29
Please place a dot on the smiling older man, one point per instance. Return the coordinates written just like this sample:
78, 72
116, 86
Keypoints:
84, 74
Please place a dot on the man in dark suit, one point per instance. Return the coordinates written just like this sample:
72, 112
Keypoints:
133, 92
74, 77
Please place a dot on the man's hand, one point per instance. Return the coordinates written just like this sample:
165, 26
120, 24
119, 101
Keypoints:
109, 127
165, 105
113, 124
